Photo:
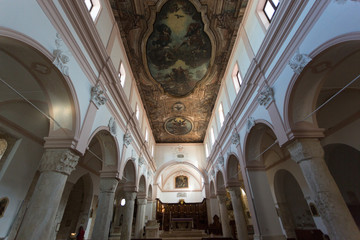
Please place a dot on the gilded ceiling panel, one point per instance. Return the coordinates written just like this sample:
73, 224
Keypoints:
178, 51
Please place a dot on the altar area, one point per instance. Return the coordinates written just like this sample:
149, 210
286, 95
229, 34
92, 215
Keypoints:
181, 224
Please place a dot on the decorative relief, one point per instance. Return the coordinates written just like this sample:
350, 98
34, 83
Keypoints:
181, 194
235, 138
250, 123
305, 149
220, 161
266, 96
141, 161
299, 61
97, 96
178, 107
112, 126
58, 160
61, 59
127, 139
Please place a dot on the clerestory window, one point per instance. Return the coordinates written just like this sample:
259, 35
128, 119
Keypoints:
93, 6
270, 8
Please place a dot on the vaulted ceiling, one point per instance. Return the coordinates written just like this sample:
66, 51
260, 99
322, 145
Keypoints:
178, 51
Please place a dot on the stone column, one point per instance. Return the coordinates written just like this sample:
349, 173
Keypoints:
140, 217
225, 223
309, 154
286, 219
105, 208
55, 167
149, 208
128, 215
240, 221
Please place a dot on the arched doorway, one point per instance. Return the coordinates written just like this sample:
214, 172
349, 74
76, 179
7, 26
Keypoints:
293, 209
343, 162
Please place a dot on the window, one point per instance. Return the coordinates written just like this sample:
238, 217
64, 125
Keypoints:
3, 147
146, 135
212, 136
270, 8
137, 111
206, 150
122, 75
221, 114
93, 7
152, 150
236, 77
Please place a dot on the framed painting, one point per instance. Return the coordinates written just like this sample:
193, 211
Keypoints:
181, 181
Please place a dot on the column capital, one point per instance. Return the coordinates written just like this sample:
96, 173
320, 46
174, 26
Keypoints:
130, 196
141, 201
221, 198
305, 149
58, 160
236, 191
108, 185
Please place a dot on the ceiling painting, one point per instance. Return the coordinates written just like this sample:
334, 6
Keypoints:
178, 126
178, 51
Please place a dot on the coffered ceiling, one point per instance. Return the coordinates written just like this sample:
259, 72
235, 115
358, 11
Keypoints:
178, 51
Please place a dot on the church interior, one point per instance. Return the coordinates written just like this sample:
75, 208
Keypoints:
179, 119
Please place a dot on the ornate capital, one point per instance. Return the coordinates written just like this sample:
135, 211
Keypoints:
112, 126
266, 97
299, 61
108, 185
58, 160
61, 59
130, 196
141, 201
235, 138
250, 123
221, 198
97, 96
127, 139
305, 149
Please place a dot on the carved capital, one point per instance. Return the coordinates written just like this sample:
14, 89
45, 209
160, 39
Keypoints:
130, 196
221, 198
108, 185
127, 139
305, 149
299, 61
266, 97
250, 123
112, 126
97, 96
141, 201
235, 138
235, 191
58, 160
60, 59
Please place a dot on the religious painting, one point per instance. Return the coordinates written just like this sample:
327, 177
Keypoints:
178, 126
3, 204
181, 182
178, 50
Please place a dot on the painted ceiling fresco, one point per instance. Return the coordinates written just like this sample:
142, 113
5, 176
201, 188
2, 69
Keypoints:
178, 51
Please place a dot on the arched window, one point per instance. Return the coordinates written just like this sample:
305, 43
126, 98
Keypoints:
137, 111
212, 136
146, 135
270, 8
221, 114
236, 77
3, 147
122, 74
206, 150
93, 7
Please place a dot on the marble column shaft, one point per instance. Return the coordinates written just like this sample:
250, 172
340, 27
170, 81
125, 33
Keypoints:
240, 222
128, 215
309, 154
140, 217
105, 208
39, 220
225, 223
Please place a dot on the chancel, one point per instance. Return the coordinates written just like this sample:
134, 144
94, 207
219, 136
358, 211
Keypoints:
179, 119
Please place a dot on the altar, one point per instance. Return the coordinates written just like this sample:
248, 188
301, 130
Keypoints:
182, 223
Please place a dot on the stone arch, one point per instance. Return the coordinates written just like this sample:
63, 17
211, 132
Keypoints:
331, 69
150, 194
57, 96
220, 183
108, 146
292, 206
233, 174
129, 175
142, 187
212, 189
